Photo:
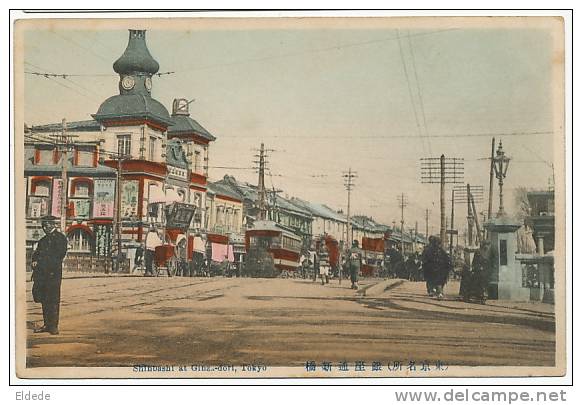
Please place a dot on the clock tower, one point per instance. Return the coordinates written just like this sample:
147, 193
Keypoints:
134, 129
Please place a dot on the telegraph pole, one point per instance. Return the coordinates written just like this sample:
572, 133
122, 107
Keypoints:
262, 192
118, 215
443, 218
402, 202
62, 144
442, 171
426, 223
349, 184
491, 177
415, 236
469, 194
452, 221
64, 177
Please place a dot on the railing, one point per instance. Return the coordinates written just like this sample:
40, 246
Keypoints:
86, 263
537, 274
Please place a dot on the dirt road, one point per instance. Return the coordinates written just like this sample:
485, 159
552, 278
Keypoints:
122, 321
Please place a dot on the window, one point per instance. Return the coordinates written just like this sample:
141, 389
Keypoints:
197, 161
42, 188
124, 144
85, 157
80, 241
81, 189
503, 252
152, 148
45, 156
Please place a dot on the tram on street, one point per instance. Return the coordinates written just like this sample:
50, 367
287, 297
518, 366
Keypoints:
272, 250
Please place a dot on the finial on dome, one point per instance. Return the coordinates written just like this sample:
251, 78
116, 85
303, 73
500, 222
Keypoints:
137, 57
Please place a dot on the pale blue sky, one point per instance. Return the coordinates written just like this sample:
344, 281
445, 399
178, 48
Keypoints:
330, 99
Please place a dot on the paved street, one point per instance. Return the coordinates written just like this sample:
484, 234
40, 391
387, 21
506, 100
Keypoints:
122, 321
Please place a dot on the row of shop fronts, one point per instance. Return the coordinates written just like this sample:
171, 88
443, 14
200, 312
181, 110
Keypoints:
134, 167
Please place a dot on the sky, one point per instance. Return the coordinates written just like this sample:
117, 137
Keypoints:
374, 98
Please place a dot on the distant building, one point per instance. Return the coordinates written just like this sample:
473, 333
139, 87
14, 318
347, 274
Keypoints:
326, 221
542, 219
281, 210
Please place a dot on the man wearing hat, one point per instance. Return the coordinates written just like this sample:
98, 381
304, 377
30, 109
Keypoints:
47, 273
354, 262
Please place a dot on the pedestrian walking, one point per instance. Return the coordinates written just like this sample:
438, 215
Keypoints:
315, 261
354, 263
138, 259
152, 241
47, 274
436, 265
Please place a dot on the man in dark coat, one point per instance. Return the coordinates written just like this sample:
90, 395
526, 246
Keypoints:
482, 265
436, 266
354, 263
47, 273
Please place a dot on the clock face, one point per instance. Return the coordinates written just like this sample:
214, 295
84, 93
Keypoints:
128, 82
148, 83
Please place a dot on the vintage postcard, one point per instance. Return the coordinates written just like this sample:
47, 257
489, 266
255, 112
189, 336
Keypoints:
206, 197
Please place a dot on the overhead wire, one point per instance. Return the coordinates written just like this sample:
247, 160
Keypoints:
420, 98
412, 103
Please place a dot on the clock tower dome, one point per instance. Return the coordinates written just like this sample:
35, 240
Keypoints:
134, 102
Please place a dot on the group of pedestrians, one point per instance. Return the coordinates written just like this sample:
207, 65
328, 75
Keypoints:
475, 277
319, 261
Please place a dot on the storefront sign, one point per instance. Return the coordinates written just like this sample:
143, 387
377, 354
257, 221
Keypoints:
37, 206
129, 194
103, 239
57, 197
104, 198
82, 208
177, 172
179, 215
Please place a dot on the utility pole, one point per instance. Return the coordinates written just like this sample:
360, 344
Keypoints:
262, 192
415, 235
468, 194
64, 177
452, 221
443, 219
349, 184
273, 202
118, 215
442, 171
426, 224
491, 177
62, 144
402, 202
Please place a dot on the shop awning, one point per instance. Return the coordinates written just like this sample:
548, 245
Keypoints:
157, 195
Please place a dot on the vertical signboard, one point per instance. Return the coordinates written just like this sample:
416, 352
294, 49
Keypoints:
37, 206
129, 195
57, 197
82, 208
103, 239
104, 198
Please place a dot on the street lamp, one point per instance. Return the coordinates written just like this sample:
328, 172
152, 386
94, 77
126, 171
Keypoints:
500, 164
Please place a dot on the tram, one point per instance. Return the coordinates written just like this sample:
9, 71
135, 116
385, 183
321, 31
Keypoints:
272, 250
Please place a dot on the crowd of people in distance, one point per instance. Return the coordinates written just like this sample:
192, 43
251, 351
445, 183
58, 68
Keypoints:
433, 266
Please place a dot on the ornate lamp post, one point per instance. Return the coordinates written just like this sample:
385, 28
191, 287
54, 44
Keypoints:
500, 164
